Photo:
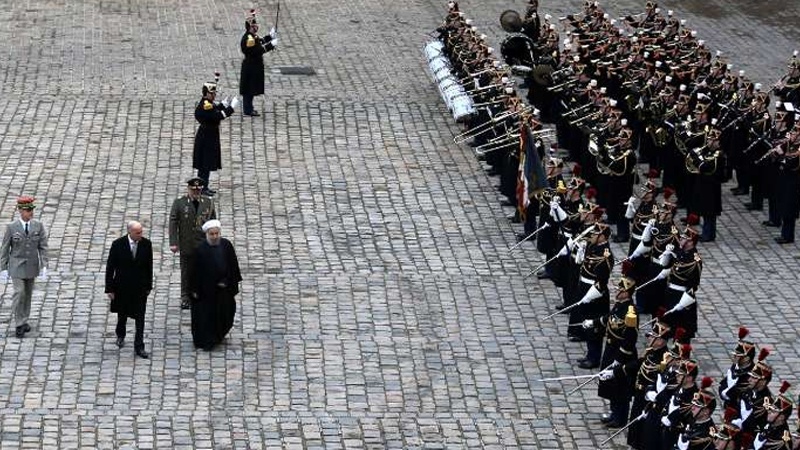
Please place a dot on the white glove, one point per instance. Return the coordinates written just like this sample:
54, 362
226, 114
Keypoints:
226, 102
4, 275
43, 274
564, 251
235, 102
665, 258
663, 274
737, 422
587, 324
592, 294
581, 252
633, 205
650, 396
606, 375
731, 383
647, 234
760, 441
744, 413
685, 301
274, 42
666, 422
660, 383
273, 33
570, 244
557, 212
683, 443
673, 405
640, 250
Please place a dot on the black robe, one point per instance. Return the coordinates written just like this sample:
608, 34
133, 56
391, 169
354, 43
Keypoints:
214, 283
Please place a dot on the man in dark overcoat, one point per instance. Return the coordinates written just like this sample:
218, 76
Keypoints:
129, 280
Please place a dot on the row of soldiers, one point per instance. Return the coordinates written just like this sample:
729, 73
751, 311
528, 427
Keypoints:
660, 277
657, 89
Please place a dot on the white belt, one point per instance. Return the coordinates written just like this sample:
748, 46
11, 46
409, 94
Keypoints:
676, 287
586, 280
636, 236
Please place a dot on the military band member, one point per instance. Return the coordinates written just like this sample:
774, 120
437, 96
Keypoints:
253, 46
789, 184
186, 218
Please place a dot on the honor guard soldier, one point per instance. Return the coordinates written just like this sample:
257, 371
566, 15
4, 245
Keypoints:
251, 82
592, 291
621, 327
788, 184
752, 404
788, 89
683, 281
678, 413
736, 378
665, 239
672, 376
546, 239
776, 435
729, 436
207, 155
186, 218
697, 434
646, 371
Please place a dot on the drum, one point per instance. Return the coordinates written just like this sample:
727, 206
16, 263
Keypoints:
433, 49
518, 49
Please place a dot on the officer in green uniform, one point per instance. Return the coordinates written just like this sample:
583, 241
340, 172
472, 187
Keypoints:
186, 218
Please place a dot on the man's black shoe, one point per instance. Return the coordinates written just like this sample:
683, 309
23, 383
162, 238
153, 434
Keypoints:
521, 237
781, 240
560, 307
253, 113
26, 328
615, 424
19, 332
707, 239
542, 275
142, 354
577, 339
607, 418
120, 342
507, 203
770, 223
740, 191
589, 365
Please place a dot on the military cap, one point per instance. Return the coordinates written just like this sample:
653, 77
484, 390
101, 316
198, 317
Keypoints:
762, 370
704, 398
744, 348
26, 202
195, 182
781, 404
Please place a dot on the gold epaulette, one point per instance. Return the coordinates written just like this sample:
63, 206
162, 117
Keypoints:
207, 105
251, 41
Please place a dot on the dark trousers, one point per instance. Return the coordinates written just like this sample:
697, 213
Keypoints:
247, 104
710, 227
787, 228
774, 212
204, 174
594, 350
623, 228
620, 409
138, 339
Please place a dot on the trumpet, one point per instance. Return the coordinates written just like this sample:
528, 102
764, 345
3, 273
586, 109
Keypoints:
499, 70
560, 87
586, 117
490, 124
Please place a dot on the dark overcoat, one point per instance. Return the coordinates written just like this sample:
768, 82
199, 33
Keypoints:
207, 150
129, 279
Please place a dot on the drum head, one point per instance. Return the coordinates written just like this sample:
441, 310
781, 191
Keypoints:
518, 49
511, 21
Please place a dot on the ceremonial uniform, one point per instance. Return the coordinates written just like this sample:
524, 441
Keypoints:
646, 371
251, 82
683, 280
207, 154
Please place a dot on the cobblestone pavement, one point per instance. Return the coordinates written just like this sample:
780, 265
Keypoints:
380, 308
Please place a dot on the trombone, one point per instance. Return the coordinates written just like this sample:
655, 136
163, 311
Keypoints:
489, 125
562, 86
586, 117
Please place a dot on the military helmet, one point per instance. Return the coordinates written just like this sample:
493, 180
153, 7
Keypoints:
660, 329
704, 398
688, 367
744, 348
781, 404
252, 20
727, 431
762, 370
211, 86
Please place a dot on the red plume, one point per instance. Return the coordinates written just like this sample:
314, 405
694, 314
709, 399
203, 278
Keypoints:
785, 386
591, 192
743, 332
762, 355
668, 192
730, 414
661, 311
654, 173
693, 219
686, 351
576, 170
706, 383
627, 266
680, 333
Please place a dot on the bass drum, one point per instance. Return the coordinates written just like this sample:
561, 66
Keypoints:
519, 49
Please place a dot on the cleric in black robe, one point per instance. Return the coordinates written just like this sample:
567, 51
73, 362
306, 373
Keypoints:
214, 283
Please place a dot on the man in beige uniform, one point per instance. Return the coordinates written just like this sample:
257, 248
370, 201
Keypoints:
23, 256
186, 219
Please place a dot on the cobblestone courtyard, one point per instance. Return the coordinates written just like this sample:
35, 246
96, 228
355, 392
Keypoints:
380, 307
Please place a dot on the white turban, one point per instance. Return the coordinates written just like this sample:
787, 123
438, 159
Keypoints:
211, 224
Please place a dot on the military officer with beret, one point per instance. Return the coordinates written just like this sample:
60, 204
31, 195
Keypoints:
186, 218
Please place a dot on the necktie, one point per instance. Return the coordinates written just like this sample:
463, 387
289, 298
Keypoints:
133, 249
26, 228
